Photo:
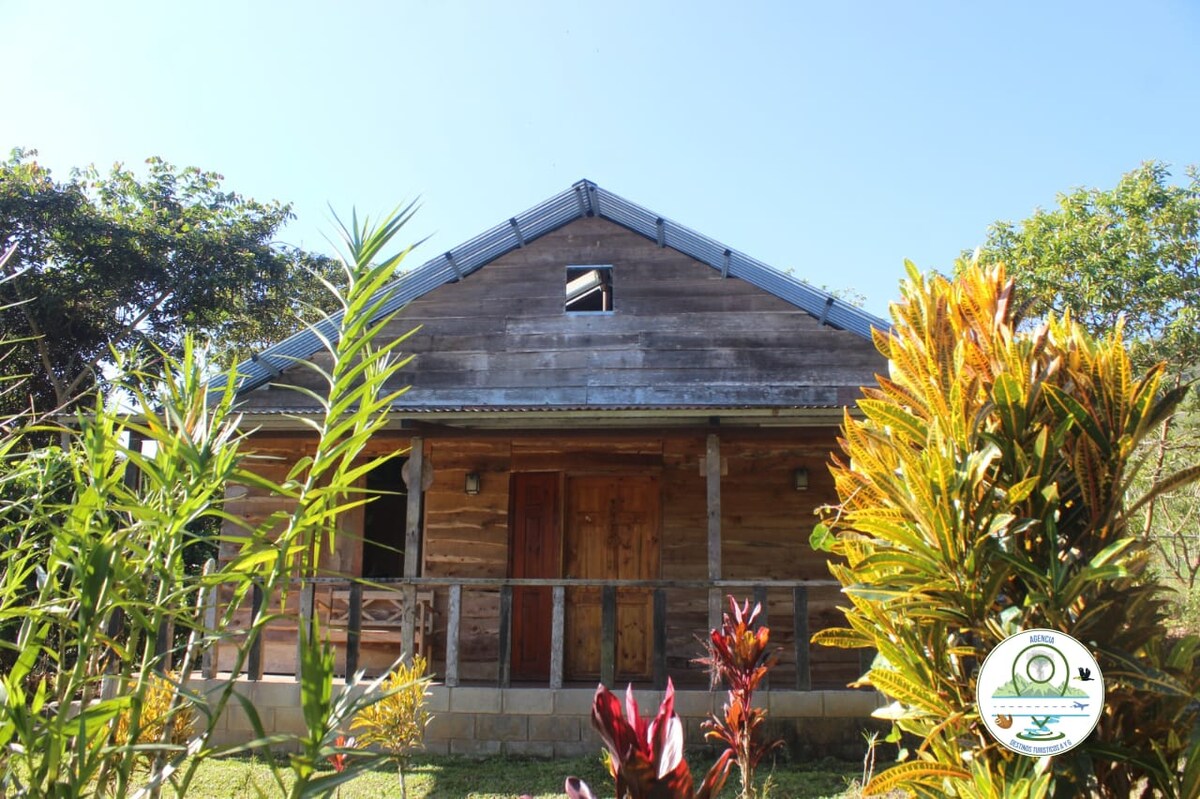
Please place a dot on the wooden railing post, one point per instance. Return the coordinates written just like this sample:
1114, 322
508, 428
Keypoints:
800, 630
353, 629
110, 686
557, 624
608, 635
660, 638
164, 640
209, 658
452, 625
254, 664
305, 622
504, 669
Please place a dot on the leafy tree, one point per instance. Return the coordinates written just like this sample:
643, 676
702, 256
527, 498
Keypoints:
1130, 253
983, 493
115, 261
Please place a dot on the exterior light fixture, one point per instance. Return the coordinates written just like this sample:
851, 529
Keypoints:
473, 483
800, 479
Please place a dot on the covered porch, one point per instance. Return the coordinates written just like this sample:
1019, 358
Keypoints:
373, 624
560, 557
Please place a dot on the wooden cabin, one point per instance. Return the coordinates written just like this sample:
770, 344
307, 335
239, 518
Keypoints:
613, 422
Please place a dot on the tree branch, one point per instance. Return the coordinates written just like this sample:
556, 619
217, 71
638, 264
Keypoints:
90, 366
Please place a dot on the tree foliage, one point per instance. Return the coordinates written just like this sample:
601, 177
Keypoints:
1132, 252
983, 493
114, 260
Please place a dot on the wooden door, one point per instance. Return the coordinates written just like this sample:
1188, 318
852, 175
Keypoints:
535, 552
612, 532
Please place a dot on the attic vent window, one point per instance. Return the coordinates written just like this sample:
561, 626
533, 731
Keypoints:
589, 289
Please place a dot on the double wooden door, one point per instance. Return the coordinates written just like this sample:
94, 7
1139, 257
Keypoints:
587, 527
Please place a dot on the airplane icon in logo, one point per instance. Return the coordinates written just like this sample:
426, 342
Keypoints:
1080, 705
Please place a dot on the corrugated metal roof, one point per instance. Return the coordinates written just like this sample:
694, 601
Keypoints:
532, 409
584, 198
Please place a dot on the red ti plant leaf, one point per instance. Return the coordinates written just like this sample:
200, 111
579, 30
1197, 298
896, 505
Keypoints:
646, 755
338, 759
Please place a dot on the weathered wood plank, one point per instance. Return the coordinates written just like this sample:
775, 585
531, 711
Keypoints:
354, 629
608, 635
209, 659
453, 622
557, 637
504, 670
801, 638
713, 500
412, 544
505, 324
254, 665
660, 638
306, 622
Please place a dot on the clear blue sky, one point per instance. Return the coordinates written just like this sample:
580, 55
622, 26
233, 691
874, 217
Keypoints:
835, 139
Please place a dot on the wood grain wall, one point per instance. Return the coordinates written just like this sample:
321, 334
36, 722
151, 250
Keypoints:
679, 334
765, 529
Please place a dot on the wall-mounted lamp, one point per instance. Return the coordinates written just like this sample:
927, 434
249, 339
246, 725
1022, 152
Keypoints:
473, 483
800, 479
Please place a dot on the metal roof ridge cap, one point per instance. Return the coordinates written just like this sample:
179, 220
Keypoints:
251, 382
864, 316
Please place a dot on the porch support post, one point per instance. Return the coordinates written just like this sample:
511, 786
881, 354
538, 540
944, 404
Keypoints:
412, 545
557, 620
712, 463
452, 625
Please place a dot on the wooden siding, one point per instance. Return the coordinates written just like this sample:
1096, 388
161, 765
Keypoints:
765, 528
680, 334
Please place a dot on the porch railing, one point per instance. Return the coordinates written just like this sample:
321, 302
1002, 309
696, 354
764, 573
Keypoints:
410, 625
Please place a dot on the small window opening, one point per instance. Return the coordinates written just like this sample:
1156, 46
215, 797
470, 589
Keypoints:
589, 289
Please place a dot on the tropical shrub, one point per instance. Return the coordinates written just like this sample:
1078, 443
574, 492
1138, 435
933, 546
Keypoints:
984, 492
156, 714
739, 657
644, 756
396, 722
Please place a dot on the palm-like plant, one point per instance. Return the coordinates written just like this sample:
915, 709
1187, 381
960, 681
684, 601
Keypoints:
94, 568
984, 492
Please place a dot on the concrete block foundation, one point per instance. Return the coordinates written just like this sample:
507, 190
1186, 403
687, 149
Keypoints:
480, 721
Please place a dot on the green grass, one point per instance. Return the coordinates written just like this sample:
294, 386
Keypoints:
505, 778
